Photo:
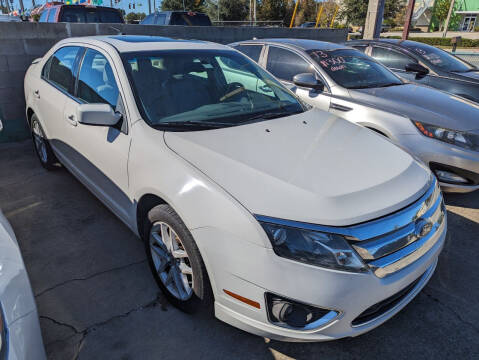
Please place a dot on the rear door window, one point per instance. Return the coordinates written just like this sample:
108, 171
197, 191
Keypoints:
61, 67
391, 58
148, 20
44, 16
51, 15
285, 64
253, 51
160, 19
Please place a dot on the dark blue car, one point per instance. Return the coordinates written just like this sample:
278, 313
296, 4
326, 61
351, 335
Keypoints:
424, 64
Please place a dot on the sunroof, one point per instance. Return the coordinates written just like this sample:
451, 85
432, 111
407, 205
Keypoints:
144, 38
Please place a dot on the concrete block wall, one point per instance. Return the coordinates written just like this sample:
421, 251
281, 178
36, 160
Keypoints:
20, 43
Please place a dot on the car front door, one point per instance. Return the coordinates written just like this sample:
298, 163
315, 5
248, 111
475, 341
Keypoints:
51, 92
285, 64
397, 61
100, 153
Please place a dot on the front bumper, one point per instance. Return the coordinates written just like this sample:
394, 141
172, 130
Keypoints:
432, 152
348, 293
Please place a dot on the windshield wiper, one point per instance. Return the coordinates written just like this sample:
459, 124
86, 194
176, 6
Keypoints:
370, 86
391, 84
191, 123
272, 115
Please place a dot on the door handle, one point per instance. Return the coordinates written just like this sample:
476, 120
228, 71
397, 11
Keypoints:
36, 93
71, 120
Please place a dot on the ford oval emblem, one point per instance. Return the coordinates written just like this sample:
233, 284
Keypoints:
422, 228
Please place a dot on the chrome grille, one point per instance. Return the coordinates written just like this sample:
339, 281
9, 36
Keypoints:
389, 244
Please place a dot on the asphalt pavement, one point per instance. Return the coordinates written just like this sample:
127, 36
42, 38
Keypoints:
97, 299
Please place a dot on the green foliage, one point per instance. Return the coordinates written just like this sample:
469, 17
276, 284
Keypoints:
130, 17
234, 10
439, 41
440, 11
275, 10
354, 11
190, 5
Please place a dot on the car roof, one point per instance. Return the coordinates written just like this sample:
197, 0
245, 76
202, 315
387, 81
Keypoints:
302, 44
129, 43
397, 42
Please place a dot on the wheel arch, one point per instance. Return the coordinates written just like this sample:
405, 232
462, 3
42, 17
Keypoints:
30, 113
145, 204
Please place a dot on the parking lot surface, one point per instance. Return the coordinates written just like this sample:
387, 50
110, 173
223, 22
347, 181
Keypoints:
97, 299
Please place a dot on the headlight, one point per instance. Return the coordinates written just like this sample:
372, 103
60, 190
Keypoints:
312, 247
458, 138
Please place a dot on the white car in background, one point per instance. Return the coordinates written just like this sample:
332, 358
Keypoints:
20, 335
293, 223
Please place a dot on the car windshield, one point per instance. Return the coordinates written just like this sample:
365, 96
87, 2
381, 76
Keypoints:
353, 70
181, 89
439, 58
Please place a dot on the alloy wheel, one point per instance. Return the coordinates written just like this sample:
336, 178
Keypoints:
39, 141
171, 261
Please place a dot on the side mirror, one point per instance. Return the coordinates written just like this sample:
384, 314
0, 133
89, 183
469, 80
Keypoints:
308, 80
97, 114
417, 68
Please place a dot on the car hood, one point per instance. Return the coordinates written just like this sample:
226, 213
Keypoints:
474, 75
312, 167
424, 104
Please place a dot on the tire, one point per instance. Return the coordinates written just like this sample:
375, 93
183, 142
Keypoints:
171, 270
41, 145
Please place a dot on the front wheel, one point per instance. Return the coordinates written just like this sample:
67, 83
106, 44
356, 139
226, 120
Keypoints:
42, 147
175, 261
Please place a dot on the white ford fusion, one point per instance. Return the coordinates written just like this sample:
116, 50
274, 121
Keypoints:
20, 336
293, 223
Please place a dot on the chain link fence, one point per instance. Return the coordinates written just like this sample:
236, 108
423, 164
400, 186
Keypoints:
469, 56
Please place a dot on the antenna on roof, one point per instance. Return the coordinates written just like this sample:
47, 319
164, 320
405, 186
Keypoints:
119, 32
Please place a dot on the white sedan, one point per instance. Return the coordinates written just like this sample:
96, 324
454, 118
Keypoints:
21, 338
292, 223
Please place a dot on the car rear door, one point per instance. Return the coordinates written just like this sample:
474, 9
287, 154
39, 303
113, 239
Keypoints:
285, 64
51, 91
100, 153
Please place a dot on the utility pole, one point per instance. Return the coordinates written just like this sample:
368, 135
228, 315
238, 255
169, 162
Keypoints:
374, 19
407, 23
451, 8
254, 12
149, 7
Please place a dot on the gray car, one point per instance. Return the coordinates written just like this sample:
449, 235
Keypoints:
440, 129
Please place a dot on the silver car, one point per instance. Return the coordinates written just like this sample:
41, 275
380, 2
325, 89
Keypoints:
440, 129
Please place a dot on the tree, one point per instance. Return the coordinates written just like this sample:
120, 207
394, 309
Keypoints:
190, 5
234, 10
440, 11
230, 10
131, 17
354, 11
269, 10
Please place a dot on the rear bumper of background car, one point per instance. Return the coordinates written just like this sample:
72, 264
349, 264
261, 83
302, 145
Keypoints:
446, 157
